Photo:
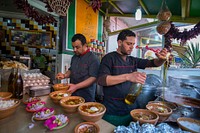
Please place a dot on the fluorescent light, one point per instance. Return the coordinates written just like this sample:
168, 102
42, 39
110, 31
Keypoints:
138, 13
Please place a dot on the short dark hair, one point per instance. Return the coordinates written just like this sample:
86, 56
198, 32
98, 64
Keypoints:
80, 37
38, 49
124, 33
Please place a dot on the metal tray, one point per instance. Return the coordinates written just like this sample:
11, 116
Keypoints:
38, 90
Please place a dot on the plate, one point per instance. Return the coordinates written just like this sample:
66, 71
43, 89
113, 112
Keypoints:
37, 99
61, 126
32, 111
189, 124
30, 104
40, 119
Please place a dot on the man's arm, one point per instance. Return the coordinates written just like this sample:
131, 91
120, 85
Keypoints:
67, 74
109, 80
155, 63
162, 57
83, 84
86, 82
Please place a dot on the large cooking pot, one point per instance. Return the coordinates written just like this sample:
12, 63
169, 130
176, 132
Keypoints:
148, 91
147, 94
189, 107
185, 85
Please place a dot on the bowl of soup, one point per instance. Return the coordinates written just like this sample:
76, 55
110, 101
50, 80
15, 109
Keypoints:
91, 111
189, 124
144, 116
5, 95
87, 127
173, 106
60, 86
70, 104
162, 111
56, 96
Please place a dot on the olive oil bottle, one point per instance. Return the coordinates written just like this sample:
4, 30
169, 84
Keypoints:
135, 90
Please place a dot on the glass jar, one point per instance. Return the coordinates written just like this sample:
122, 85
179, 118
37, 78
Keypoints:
133, 93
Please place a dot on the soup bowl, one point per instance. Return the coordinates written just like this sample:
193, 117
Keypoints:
87, 127
173, 106
5, 95
144, 116
91, 111
56, 96
60, 86
70, 104
189, 124
162, 111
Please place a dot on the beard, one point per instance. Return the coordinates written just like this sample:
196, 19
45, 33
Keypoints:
123, 51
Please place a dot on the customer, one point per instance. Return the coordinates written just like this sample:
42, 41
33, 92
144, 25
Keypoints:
83, 70
117, 72
39, 61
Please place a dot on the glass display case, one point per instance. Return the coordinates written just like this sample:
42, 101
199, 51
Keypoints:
31, 38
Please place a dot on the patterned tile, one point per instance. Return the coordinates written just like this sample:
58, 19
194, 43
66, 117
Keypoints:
22, 24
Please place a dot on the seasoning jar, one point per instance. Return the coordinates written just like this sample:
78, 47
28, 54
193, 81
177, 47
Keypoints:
133, 93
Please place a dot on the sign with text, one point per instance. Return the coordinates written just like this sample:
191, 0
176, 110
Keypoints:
86, 20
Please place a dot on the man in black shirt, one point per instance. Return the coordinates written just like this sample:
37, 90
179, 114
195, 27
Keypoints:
117, 72
83, 70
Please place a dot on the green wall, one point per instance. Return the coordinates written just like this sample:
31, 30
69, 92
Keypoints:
71, 24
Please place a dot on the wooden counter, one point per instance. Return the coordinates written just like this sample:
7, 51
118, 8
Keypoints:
19, 121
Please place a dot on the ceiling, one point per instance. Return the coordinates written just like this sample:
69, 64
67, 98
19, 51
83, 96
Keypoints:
186, 11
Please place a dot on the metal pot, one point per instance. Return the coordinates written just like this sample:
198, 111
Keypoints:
148, 91
147, 94
190, 112
186, 85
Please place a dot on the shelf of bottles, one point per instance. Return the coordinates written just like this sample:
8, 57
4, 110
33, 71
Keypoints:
97, 47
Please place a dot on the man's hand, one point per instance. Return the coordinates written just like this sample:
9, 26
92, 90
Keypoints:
60, 76
72, 88
137, 77
163, 54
